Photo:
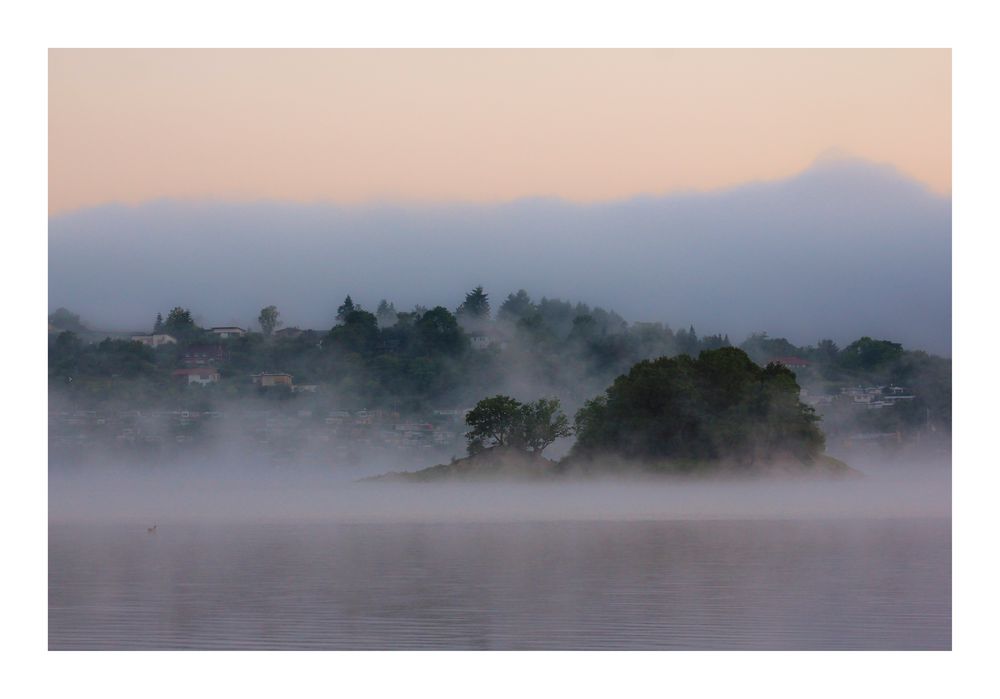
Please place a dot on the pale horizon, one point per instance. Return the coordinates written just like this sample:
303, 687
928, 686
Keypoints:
420, 126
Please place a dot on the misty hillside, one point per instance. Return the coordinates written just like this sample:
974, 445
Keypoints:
843, 250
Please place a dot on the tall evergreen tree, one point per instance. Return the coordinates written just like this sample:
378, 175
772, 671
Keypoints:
346, 308
476, 305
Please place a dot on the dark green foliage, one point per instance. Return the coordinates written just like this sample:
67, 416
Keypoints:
763, 349
500, 422
64, 355
70, 358
476, 305
720, 406
62, 319
542, 422
358, 332
346, 308
437, 331
516, 306
492, 423
867, 354
826, 351
268, 320
180, 324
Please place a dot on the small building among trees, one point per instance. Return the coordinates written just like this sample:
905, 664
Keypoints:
228, 331
155, 340
267, 379
197, 375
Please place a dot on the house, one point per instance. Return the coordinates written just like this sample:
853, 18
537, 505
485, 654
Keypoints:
156, 340
290, 333
199, 375
228, 331
197, 355
792, 362
266, 379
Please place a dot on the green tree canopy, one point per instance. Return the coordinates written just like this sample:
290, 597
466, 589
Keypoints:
867, 354
516, 306
720, 406
438, 332
476, 305
268, 319
358, 333
762, 348
345, 308
179, 323
503, 422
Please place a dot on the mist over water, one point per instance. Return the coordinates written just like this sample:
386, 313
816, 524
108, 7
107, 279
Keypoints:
213, 492
254, 556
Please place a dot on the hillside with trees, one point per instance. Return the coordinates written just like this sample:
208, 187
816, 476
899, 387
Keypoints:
617, 378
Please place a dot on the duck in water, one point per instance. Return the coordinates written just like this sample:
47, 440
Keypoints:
151, 530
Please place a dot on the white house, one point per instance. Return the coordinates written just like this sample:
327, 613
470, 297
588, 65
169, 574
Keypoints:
199, 375
156, 340
228, 331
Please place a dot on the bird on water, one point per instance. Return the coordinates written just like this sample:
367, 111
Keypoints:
151, 530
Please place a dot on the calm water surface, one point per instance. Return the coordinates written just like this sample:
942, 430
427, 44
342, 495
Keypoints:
778, 584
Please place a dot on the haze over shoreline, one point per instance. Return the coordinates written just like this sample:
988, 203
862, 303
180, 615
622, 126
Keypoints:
844, 249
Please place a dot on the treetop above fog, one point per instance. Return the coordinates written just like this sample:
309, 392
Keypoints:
720, 406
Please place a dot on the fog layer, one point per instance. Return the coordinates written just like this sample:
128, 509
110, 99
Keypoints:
201, 491
843, 250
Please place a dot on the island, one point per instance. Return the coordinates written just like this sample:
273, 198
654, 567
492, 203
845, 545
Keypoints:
719, 414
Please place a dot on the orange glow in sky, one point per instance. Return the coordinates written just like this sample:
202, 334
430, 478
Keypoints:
479, 125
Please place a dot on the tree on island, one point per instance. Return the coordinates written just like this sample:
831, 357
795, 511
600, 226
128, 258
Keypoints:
501, 422
720, 407
268, 320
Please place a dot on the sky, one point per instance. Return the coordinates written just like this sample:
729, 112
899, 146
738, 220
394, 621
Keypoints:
359, 126
804, 193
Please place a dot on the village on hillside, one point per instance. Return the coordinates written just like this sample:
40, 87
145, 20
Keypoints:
401, 383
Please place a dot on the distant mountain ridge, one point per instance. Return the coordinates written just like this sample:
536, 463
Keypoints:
846, 248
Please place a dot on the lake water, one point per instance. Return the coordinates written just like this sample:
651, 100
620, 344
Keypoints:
841, 583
